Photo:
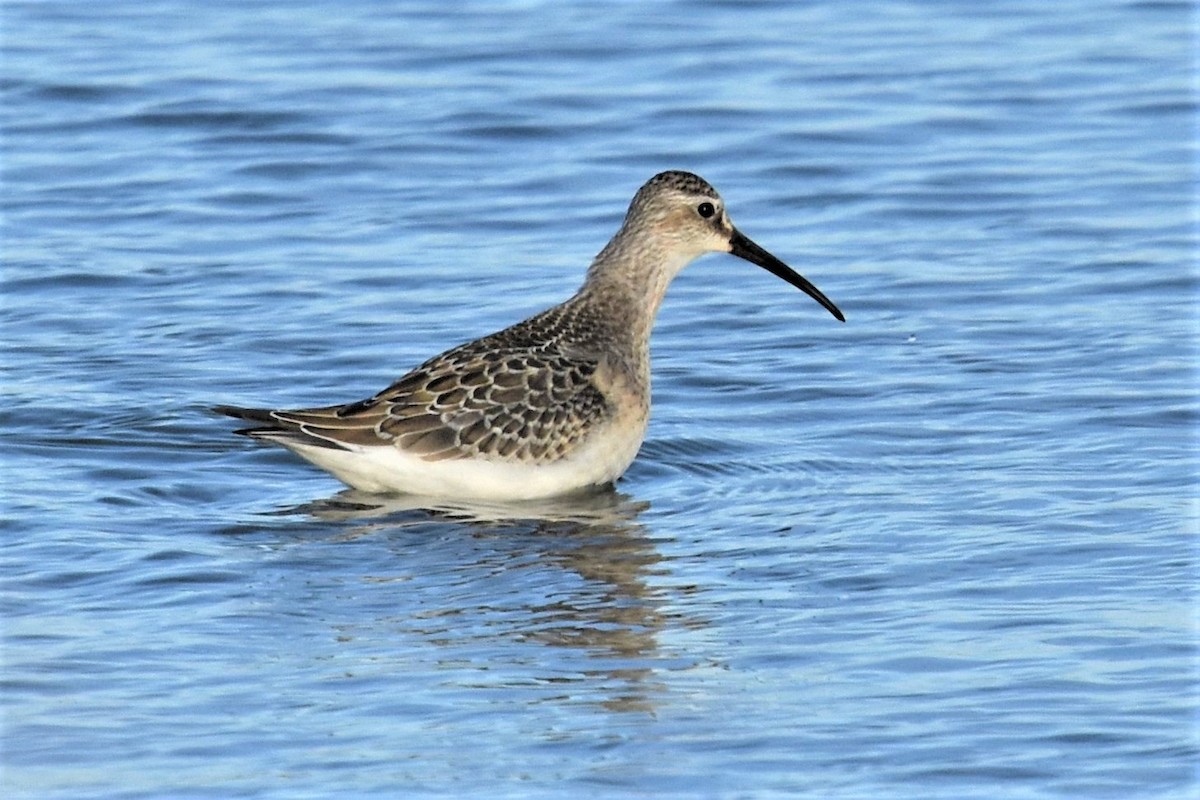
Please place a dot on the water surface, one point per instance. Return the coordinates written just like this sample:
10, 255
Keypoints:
947, 549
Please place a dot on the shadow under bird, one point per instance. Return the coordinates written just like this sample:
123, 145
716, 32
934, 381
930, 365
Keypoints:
556, 404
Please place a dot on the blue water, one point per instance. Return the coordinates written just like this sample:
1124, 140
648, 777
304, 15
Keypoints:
947, 549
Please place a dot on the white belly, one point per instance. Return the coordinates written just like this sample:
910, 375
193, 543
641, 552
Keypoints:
599, 461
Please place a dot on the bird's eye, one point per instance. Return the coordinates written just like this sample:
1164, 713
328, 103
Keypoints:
706, 210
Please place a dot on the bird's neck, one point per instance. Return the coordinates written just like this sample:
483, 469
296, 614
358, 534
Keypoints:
631, 280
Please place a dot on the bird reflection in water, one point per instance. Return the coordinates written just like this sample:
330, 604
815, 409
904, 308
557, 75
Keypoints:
578, 574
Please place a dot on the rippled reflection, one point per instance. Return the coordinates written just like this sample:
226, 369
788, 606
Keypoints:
580, 574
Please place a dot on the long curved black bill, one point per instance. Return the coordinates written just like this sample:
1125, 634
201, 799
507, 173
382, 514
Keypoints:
743, 247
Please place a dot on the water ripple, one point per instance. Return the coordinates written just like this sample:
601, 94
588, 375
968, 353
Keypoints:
949, 544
